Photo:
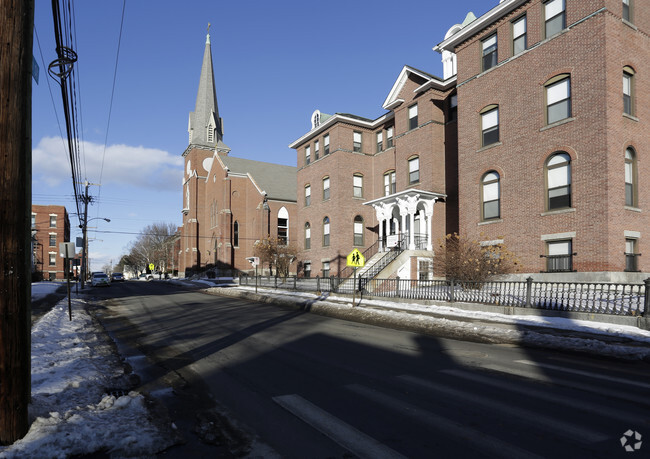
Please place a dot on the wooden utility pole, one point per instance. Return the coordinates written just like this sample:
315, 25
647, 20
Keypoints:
16, 30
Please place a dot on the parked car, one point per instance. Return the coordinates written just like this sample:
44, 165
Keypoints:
100, 279
145, 277
117, 277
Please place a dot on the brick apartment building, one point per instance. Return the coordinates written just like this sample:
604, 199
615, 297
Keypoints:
229, 203
50, 226
372, 184
553, 114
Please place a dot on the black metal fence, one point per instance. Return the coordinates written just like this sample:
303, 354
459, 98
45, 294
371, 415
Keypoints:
604, 298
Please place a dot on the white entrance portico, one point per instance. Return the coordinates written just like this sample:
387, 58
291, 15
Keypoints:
406, 216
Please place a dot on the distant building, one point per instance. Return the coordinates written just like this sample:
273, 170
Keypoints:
50, 227
229, 203
553, 117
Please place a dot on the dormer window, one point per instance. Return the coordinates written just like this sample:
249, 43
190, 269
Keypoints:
317, 120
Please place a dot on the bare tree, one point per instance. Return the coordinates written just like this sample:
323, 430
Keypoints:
153, 245
275, 252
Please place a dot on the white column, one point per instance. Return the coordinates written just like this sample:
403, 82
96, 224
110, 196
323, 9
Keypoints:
429, 219
381, 234
412, 231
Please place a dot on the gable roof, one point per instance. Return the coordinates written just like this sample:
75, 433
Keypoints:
277, 180
392, 100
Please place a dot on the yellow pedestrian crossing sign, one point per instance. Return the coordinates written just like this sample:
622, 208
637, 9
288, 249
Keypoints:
151, 266
356, 259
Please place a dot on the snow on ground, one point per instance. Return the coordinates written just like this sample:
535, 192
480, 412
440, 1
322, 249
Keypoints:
42, 289
73, 364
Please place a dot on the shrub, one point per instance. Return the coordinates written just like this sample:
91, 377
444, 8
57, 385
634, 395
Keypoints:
468, 261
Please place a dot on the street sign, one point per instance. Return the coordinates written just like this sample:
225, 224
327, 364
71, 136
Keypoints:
356, 259
254, 261
66, 249
151, 267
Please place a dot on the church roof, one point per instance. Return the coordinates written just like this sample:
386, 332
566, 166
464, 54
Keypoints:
278, 181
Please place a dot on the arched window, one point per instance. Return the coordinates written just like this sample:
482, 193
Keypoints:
307, 235
357, 185
358, 230
558, 181
489, 125
491, 196
307, 195
628, 91
326, 232
630, 178
389, 183
235, 234
558, 98
414, 170
283, 226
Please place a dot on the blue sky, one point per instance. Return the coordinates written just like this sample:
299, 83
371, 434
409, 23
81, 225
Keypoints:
274, 63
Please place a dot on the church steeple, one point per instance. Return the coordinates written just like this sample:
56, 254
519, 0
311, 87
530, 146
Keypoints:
205, 126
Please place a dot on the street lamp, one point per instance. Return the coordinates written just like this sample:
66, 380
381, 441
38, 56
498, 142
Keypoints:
84, 227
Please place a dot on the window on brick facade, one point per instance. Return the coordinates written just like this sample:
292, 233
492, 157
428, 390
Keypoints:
326, 188
413, 116
630, 178
628, 91
52, 240
453, 107
628, 10
414, 170
389, 183
558, 99
307, 268
52, 259
326, 145
326, 232
307, 154
235, 234
52, 221
558, 181
631, 255
33, 220
389, 137
519, 40
491, 196
357, 185
559, 256
489, 125
326, 269
307, 195
554, 17
380, 142
489, 52
307, 236
316, 150
358, 231
283, 226
356, 141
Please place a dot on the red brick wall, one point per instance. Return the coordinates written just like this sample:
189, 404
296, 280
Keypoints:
42, 230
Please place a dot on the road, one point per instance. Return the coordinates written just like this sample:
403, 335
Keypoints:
312, 386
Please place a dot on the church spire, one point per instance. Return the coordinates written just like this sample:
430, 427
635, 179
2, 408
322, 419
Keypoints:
205, 125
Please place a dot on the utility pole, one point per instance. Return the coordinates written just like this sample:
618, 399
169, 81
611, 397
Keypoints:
84, 227
16, 32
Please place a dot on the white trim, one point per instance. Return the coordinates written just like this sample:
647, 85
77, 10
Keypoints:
558, 236
370, 124
493, 242
632, 234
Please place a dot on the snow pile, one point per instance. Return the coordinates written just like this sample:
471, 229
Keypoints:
74, 367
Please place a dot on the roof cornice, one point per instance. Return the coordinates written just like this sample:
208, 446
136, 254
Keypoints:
338, 117
479, 24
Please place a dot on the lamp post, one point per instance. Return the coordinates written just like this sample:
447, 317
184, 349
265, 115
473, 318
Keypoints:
84, 228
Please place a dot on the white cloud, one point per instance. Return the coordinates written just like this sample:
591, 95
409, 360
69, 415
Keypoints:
123, 165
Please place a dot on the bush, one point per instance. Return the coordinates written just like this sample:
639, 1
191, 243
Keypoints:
464, 260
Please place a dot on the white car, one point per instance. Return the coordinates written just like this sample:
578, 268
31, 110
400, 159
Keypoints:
145, 277
100, 279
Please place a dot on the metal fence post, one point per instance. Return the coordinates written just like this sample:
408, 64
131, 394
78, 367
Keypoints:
295, 282
451, 292
529, 291
397, 288
318, 283
275, 281
646, 300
